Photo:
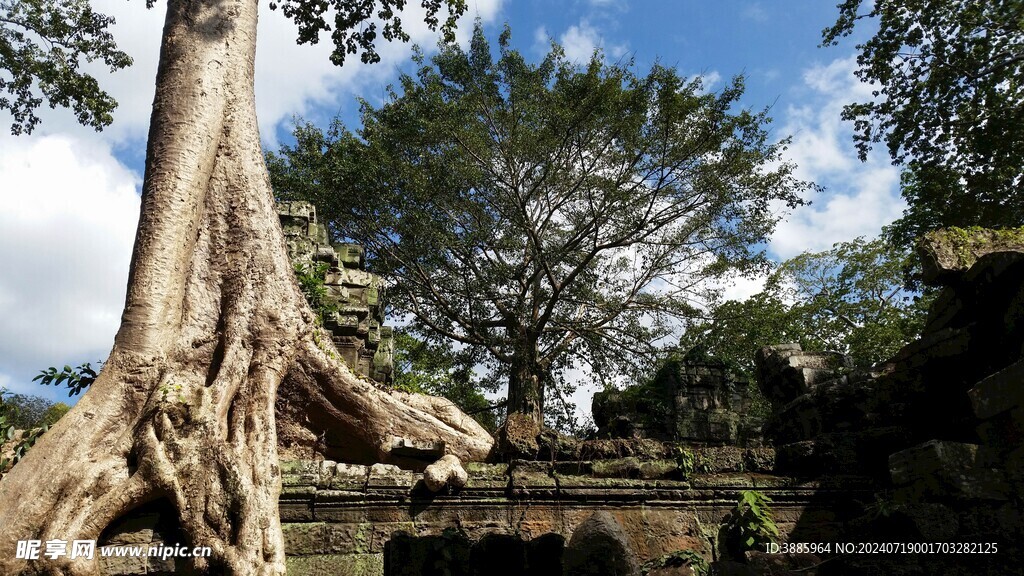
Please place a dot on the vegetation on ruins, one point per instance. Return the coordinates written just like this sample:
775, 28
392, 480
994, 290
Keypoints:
848, 299
548, 216
749, 525
214, 321
697, 564
949, 106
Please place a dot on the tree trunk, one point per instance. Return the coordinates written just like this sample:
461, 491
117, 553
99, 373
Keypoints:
526, 388
213, 322
525, 410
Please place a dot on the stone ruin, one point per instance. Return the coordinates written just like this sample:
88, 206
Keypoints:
693, 402
926, 448
357, 322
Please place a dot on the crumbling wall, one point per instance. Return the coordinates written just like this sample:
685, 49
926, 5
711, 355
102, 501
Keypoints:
692, 402
357, 322
938, 428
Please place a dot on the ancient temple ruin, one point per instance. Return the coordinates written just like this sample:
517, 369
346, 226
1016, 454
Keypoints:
926, 448
356, 322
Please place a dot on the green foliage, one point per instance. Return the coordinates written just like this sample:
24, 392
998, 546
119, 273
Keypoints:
353, 28
24, 411
686, 461
750, 524
18, 412
43, 45
949, 106
77, 379
430, 368
53, 413
547, 216
311, 277
849, 299
696, 562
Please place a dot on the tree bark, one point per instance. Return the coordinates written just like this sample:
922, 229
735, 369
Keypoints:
184, 408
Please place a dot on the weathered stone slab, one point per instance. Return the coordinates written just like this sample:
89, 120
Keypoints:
350, 477
336, 565
949, 252
785, 371
530, 477
389, 476
999, 392
428, 450
304, 537
941, 469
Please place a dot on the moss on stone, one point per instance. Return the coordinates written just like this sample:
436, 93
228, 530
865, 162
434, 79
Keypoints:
336, 565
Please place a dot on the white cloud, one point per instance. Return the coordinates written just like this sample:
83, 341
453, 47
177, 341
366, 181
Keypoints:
580, 40
291, 79
709, 80
66, 234
862, 196
71, 207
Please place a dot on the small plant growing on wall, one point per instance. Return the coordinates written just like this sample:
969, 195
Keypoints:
311, 278
749, 525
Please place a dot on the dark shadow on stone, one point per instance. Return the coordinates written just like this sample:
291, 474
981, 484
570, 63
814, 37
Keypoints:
544, 555
498, 555
444, 555
599, 547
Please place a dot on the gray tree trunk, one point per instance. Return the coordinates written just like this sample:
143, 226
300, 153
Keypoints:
213, 322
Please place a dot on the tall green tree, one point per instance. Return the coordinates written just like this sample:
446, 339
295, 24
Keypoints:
949, 106
550, 215
428, 368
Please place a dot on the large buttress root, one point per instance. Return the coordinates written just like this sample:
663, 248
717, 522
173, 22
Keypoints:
184, 408
366, 417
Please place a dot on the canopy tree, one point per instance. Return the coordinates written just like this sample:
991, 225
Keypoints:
949, 106
549, 215
184, 407
849, 299
42, 48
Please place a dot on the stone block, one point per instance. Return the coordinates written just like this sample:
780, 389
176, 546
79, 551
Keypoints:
304, 537
427, 450
947, 470
530, 477
785, 372
112, 565
946, 254
617, 468
389, 476
336, 565
350, 477
300, 473
999, 392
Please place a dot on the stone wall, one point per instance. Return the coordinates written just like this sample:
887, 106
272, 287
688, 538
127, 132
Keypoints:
691, 402
939, 428
357, 324
344, 519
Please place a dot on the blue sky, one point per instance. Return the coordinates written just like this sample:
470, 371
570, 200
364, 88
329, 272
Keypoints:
70, 195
